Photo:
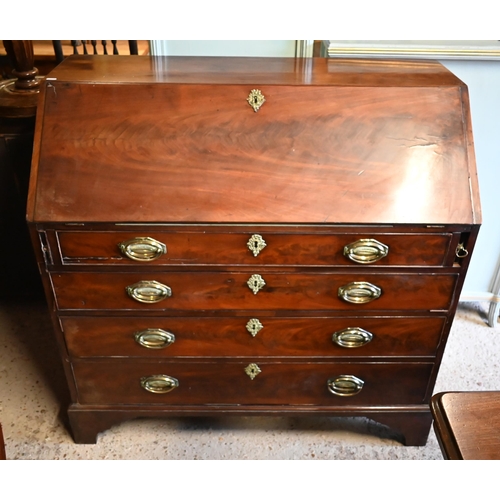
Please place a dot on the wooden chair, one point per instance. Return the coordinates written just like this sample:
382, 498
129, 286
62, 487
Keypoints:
80, 47
19, 275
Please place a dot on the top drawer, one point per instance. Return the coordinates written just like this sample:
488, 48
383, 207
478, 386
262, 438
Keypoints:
251, 248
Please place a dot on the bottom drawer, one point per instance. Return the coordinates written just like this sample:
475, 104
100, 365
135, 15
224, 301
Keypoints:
241, 383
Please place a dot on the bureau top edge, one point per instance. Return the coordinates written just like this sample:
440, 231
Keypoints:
252, 226
251, 70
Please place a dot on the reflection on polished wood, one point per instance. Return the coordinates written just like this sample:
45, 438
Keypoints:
390, 155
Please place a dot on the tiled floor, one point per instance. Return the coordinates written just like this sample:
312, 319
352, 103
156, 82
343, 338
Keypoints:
33, 399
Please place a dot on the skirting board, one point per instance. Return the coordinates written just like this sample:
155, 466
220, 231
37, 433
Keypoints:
493, 299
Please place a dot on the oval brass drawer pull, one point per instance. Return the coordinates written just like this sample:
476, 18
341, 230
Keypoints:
149, 292
352, 337
142, 249
159, 384
366, 251
359, 292
345, 385
154, 338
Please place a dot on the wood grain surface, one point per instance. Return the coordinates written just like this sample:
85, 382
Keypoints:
467, 424
381, 152
228, 337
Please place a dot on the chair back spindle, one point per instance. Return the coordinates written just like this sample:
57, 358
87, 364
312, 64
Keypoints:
96, 49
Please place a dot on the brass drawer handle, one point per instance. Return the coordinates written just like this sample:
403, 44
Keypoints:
352, 337
159, 384
345, 385
359, 292
461, 252
142, 249
154, 338
366, 251
149, 292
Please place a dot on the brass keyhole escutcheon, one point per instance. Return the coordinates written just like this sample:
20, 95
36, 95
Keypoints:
252, 370
256, 99
256, 244
254, 326
256, 283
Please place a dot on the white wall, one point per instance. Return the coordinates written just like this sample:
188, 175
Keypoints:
483, 81
256, 48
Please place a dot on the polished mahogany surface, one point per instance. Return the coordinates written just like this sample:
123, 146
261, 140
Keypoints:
291, 383
306, 337
283, 291
248, 70
201, 258
467, 424
285, 245
319, 150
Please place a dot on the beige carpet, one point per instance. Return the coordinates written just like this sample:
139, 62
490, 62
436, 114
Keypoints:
33, 399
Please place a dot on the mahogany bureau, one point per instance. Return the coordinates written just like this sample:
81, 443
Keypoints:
252, 236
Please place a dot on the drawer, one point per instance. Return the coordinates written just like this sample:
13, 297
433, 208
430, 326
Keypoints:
119, 382
208, 291
252, 336
238, 248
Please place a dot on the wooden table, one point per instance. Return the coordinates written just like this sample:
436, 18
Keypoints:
467, 424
